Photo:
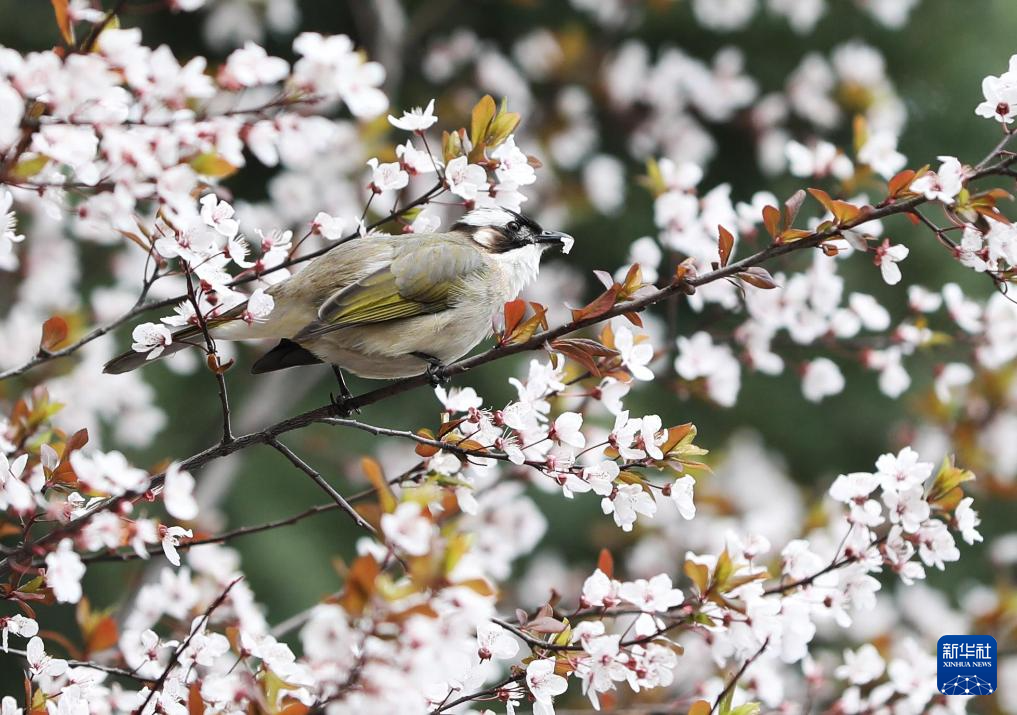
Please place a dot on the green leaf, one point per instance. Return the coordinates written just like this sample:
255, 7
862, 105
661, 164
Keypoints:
29, 167
746, 709
213, 165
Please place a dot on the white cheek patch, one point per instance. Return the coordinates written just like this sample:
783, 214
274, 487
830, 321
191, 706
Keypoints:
567, 242
488, 237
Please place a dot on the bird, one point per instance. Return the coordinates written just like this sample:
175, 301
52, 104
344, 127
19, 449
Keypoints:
386, 307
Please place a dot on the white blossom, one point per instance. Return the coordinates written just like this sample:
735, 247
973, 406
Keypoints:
415, 120
942, 185
821, 378
407, 529
64, 570
544, 684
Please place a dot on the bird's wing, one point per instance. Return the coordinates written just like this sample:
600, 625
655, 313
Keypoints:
423, 277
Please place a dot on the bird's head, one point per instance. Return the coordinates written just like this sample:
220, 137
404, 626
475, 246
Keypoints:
501, 230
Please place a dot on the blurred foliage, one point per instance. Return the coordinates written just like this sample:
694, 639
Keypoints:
937, 63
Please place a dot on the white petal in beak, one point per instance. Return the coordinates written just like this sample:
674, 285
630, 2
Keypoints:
562, 240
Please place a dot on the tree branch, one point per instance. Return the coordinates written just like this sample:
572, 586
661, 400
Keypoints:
684, 284
323, 483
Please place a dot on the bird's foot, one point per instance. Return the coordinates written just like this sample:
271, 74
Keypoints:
436, 370
345, 405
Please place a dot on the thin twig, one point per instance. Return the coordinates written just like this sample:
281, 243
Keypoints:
227, 536
213, 359
737, 676
338, 498
493, 690
424, 198
996, 151
187, 642
89, 42
110, 669
138, 308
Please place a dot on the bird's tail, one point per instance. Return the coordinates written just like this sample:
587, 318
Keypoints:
132, 360
182, 338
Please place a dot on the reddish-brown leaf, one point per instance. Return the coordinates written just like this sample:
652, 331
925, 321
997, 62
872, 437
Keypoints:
195, 703
900, 182
685, 270
794, 234
600, 305
591, 347
426, 450
64, 474
529, 327
700, 707
634, 319
76, 441
605, 562
545, 624
294, 707
993, 213
758, 277
845, 212
360, 584
478, 585
468, 445
584, 351
136, 239
579, 355
725, 243
514, 312
63, 20
792, 206
771, 219
445, 428
101, 635
372, 470
632, 283
218, 366
823, 198
54, 333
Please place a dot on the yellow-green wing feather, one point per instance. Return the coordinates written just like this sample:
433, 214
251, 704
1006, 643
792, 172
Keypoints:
424, 277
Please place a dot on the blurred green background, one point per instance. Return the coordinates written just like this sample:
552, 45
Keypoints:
936, 62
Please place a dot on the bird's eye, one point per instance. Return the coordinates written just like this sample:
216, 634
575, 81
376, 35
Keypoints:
513, 226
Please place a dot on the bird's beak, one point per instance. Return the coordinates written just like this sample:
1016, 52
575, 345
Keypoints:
556, 238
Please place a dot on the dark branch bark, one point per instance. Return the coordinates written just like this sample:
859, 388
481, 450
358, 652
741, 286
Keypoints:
24, 554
